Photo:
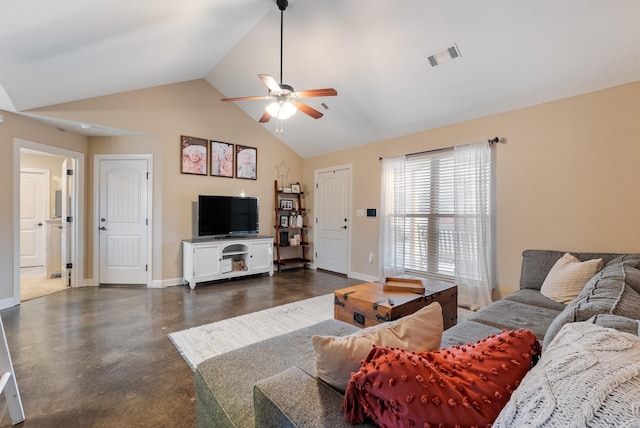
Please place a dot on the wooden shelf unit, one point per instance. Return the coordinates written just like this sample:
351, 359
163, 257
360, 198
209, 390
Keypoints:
296, 254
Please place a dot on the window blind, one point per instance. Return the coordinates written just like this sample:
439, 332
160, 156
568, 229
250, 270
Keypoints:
429, 221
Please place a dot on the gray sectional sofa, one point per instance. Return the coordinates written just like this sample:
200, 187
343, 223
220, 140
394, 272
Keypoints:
272, 383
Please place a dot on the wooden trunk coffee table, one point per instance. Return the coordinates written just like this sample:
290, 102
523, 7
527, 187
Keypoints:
364, 305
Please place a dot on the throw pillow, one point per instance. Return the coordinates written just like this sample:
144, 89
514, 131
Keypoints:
567, 278
459, 386
614, 290
337, 357
589, 376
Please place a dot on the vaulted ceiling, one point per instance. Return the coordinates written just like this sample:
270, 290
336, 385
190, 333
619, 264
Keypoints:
514, 53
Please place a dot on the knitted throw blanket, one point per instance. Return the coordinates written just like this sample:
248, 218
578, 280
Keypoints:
589, 376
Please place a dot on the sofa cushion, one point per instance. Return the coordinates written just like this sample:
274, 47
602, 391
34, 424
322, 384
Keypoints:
224, 384
617, 322
463, 385
337, 357
588, 376
614, 290
466, 332
535, 298
567, 278
510, 315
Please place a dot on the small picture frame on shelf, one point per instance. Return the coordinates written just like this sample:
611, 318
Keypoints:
295, 188
286, 190
286, 204
284, 221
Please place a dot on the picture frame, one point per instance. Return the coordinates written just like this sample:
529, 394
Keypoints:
194, 155
246, 162
286, 204
286, 190
295, 188
284, 221
221, 160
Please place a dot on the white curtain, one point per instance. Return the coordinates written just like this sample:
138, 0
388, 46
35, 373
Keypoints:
473, 222
392, 217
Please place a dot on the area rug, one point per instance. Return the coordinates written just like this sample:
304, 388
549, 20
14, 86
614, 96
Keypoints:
197, 344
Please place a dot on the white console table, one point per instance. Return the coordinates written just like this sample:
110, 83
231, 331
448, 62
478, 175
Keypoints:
209, 259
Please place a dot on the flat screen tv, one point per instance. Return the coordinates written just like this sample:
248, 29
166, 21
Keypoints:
227, 215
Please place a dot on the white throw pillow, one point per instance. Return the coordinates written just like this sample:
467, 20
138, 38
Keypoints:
589, 376
568, 276
337, 357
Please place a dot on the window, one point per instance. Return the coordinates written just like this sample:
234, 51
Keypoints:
429, 214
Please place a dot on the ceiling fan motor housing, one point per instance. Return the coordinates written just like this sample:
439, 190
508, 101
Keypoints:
282, 4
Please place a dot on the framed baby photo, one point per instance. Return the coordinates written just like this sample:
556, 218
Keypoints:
221, 159
194, 155
246, 162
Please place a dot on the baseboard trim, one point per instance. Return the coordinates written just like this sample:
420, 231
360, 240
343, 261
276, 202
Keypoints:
164, 283
8, 303
363, 277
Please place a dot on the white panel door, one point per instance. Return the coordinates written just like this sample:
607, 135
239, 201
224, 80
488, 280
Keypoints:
122, 221
332, 221
33, 193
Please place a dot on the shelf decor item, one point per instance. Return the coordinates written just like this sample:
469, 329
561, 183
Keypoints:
295, 188
286, 204
284, 221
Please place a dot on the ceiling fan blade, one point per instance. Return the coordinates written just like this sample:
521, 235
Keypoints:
246, 98
308, 110
327, 92
264, 118
270, 82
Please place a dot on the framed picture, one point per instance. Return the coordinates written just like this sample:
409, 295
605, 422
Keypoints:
221, 159
284, 221
286, 204
286, 190
295, 188
246, 162
193, 155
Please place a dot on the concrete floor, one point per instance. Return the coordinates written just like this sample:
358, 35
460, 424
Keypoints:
100, 356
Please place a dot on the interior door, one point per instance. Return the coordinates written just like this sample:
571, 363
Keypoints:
33, 193
122, 221
67, 210
332, 220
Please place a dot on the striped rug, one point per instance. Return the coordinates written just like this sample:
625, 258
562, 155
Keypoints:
197, 344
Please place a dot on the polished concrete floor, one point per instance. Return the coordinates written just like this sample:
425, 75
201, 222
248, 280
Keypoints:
100, 356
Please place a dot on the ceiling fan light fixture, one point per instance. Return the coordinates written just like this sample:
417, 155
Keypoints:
281, 109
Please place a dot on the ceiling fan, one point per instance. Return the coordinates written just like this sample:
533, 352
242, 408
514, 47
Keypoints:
286, 100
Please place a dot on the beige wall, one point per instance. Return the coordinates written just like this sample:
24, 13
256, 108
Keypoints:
17, 126
566, 179
162, 114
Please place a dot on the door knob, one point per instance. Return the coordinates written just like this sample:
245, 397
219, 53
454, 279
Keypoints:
39, 224
103, 228
343, 227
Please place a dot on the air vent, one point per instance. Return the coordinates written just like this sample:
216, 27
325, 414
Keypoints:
444, 55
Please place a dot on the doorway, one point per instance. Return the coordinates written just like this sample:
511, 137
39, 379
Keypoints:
332, 205
44, 278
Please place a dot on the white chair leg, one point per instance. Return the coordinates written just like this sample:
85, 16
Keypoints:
8, 383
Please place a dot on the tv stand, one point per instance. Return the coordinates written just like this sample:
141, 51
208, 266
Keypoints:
210, 259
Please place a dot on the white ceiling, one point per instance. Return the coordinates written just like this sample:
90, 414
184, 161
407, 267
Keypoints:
515, 53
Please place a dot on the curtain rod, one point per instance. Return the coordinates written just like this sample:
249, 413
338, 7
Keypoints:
490, 141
